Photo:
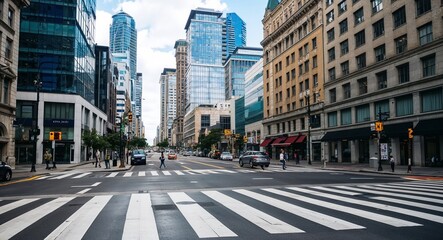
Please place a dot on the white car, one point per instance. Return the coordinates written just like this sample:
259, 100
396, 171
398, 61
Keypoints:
226, 156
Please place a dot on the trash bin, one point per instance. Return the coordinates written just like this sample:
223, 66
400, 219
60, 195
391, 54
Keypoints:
373, 162
114, 162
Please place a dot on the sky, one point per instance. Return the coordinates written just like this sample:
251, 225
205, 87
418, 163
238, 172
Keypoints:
159, 24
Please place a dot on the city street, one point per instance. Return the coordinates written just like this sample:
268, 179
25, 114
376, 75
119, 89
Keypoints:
198, 197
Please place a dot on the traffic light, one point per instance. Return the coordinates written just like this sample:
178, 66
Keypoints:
130, 116
378, 126
410, 133
55, 136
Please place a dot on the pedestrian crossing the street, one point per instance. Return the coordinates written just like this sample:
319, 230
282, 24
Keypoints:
219, 213
158, 173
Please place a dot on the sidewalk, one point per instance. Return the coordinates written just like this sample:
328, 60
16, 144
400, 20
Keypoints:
364, 167
24, 171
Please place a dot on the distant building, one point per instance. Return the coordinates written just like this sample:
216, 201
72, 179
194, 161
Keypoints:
235, 33
181, 47
168, 103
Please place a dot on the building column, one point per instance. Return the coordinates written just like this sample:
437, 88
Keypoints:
354, 151
339, 152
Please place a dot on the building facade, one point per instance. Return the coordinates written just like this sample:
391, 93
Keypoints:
8, 76
235, 33
56, 78
235, 67
293, 77
205, 74
168, 103
383, 62
181, 64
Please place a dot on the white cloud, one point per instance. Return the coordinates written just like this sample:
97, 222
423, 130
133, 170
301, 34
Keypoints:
159, 25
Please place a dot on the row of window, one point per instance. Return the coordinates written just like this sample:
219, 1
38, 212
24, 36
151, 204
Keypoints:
428, 69
302, 51
430, 100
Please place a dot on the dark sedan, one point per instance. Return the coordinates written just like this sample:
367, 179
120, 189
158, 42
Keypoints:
138, 157
5, 172
254, 158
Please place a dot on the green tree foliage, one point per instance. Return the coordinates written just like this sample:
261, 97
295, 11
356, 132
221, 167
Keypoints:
163, 144
206, 141
137, 142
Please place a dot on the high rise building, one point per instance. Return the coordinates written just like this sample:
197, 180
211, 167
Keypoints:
293, 77
205, 75
181, 47
56, 79
235, 67
8, 76
235, 33
168, 103
123, 38
138, 91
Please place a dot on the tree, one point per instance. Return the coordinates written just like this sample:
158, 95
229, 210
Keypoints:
89, 139
163, 144
206, 141
137, 142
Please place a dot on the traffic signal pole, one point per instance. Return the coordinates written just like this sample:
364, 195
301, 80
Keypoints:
379, 129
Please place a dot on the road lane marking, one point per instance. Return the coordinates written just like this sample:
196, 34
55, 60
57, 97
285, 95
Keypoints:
178, 172
262, 178
409, 203
141, 173
18, 224
154, 173
140, 220
84, 190
63, 176
204, 224
337, 191
227, 171
112, 175
82, 175
206, 164
16, 204
263, 220
128, 174
78, 223
391, 189
166, 173
320, 218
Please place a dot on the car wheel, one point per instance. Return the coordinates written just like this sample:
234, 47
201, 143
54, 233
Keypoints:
241, 163
8, 176
250, 164
267, 165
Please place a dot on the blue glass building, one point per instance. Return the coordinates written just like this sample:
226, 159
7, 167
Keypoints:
123, 37
205, 75
235, 33
235, 67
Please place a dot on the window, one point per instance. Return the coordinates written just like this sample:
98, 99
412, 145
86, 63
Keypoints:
362, 85
378, 28
331, 73
345, 68
306, 48
423, 6
300, 52
343, 26
287, 60
4, 90
346, 117
358, 16
314, 43
332, 95
300, 69
401, 44
329, 2
382, 79
8, 49
302, 123
403, 73
360, 38
332, 119
342, 7
432, 100
330, 16
404, 105
380, 53
425, 34
362, 113
292, 57
344, 47
377, 6
331, 35
399, 17
331, 54
205, 121
314, 62
381, 106
307, 66
361, 61
293, 74
315, 80
11, 16
346, 90
428, 64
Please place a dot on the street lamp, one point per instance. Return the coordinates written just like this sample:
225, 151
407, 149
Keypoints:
36, 130
308, 154
122, 163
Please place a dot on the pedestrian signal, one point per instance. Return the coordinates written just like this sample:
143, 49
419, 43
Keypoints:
410, 133
55, 136
130, 116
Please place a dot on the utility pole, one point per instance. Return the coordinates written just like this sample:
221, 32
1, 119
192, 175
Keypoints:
36, 130
308, 154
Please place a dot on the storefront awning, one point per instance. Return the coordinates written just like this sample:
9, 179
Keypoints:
397, 130
287, 142
266, 142
350, 134
300, 139
429, 127
278, 140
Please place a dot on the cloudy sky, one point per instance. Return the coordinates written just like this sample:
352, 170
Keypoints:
159, 25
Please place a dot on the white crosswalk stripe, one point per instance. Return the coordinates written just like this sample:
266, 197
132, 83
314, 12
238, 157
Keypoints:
347, 210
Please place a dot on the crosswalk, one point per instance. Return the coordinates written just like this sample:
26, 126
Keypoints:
218, 213
158, 173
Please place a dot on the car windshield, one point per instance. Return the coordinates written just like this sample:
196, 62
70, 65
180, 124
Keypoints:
138, 152
258, 153
226, 153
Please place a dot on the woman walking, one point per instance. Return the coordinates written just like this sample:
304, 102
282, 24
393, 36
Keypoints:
162, 161
282, 158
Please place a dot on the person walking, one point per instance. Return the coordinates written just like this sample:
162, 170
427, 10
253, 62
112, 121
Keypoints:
409, 165
107, 158
97, 158
48, 157
297, 160
392, 161
162, 161
282, 158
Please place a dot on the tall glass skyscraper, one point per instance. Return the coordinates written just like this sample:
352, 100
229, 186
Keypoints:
123, 37
205, 76
235, 33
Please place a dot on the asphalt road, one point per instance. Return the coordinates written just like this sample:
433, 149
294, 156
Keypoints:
197, 198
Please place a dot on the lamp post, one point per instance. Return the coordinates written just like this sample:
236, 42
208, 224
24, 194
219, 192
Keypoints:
36, 130
122, 162
308, 154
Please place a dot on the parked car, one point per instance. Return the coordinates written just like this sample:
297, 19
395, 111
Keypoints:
138, 156
172, 156
226, 156
254, 158
5, 172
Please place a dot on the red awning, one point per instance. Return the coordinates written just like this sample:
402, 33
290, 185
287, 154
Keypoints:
266, 142
291, 139
278, 140
300, 139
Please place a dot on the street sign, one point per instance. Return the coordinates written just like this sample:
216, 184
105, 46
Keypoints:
372, 126
384, 151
